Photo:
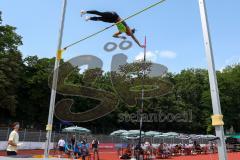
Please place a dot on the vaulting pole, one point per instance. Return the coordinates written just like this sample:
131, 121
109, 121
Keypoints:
142, 98
217, 117
54, 83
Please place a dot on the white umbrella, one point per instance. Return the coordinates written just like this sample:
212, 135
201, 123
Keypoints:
76, 129
118, 132
208, 136
183, 137
133, 133
171, 134
161, 136
194, 136
133, 138
152, 133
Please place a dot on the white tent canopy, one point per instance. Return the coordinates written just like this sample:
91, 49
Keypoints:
76, 129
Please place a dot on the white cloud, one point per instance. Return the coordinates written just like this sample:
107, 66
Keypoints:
83, 68
152, 56
230, 61
167, 54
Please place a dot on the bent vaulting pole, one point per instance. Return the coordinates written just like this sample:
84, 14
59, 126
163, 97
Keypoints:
54, 84
217, 117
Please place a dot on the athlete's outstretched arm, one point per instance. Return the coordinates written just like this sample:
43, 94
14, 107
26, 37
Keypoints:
136, 40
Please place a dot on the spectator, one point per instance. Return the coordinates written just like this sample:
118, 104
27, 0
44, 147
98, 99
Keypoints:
211, 147
139, 152
127, 153
95, 144
166, 149
13, 140
73, 140
84, 141
146, 144
160, 148
69, 150
61, 146
77, 150
84, 151
197, 147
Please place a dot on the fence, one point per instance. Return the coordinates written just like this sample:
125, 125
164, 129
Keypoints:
40, 136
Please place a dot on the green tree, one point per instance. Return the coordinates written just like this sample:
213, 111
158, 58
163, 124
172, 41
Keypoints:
10, 69
190, 87
229, 86
34, 92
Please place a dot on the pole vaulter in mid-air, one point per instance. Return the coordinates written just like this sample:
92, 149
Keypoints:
113, 17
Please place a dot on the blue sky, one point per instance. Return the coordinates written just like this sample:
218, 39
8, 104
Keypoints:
173, 30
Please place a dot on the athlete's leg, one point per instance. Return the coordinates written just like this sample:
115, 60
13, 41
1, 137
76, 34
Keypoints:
103, 19
110, 17
103, 14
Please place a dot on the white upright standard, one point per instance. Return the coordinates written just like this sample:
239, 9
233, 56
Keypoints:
217, 113
54, 84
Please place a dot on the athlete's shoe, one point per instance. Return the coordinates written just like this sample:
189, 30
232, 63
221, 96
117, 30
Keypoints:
123, 37
82, 12
87, 18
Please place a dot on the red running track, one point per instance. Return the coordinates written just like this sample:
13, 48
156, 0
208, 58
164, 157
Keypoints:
112, 155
